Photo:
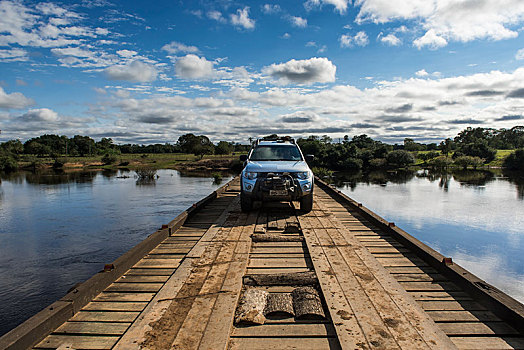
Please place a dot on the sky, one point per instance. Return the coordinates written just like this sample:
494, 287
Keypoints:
148, 72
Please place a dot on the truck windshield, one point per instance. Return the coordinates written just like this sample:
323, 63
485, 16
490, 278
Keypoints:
276, 152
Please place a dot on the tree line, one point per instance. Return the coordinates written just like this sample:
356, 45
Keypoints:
472, 147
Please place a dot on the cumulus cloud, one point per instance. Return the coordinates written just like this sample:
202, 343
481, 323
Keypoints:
313, 70
359, 39
340, 5
193, 67
298, 21
13, 55
136, 71
270, 9
390, 40
217, 16
176, 47
126, 53
40, 115
452, 20
14, 100
241, 19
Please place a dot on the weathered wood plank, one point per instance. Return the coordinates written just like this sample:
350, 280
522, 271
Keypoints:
475, 343
114, 306
77, 342
143, 279
265, 343
464, 305
150, 271
278, 262
158, 263
97, 328
462, 316
286, 330
105, 316
477, 328
134, 287
118, 296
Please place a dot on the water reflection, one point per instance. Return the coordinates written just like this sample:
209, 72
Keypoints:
59, 228
469, 215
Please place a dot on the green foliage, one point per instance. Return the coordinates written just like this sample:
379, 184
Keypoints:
515, 161
224, 147
400, 158
377, 163
109, 158
8, 162
479, 148
322, 172
440, 162
146, 173
467, 161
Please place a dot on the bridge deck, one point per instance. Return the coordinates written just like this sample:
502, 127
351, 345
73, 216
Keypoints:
375, 290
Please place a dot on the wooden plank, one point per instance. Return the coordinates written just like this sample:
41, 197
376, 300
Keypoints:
418, 277
271, 270
98, 328
462, 316
401, 262
429, 286
347, 327
158, 263
283, 343
134, 287
143, 279
114, 306
105, 316
436, 295
475, 343
150, 271
130, 296
278, 262
477, 328
465, 305
286, 330
77, 342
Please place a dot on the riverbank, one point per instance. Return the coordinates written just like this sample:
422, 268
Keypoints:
179, 161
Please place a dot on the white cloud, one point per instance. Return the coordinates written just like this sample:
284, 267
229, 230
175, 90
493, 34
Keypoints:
136, 71
270, 9
286, 36
15, 100
450, 20
421, 73
431, 39
391, 40
340, 5
300, 117
193, 67
359, 39
13, 55
217, 16
313, 70
126, 53
176, 47
40, 115
298, 21
519, 55
241, 19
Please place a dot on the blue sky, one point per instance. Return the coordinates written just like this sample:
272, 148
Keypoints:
146, 72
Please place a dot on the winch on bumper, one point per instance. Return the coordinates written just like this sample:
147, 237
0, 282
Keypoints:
276, 187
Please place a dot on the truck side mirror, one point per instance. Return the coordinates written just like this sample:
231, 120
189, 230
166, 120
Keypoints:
243, 157
309, 157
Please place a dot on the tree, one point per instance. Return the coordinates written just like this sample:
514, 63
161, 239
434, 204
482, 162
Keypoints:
465, 161
446, 146
82, 145
224, 147
400, 158
515, 161
479, 148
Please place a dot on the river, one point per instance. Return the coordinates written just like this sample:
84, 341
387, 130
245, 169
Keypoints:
59, 229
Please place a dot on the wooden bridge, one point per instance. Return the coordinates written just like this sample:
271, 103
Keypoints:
339, 277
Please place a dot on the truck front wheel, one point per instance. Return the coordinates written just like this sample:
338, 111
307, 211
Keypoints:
306, 203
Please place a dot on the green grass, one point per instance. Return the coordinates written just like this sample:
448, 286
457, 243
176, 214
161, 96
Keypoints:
153, 160
500, 156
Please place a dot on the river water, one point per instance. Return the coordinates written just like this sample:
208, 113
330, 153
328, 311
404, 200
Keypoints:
59, 229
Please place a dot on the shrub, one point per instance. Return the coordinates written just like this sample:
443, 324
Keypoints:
322, 172
440, 162
59, 163
377, 163
109, 158
146, 173
400, 158
8, 163
515, 161
465, 161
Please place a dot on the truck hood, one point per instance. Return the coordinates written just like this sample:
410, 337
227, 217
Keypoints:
277, 166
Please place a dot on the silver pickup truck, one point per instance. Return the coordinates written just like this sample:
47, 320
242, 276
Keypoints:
276, 170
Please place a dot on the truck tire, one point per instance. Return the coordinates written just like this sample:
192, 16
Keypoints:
306, 203
246, 203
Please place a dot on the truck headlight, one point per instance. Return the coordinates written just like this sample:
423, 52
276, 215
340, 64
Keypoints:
250, 175
303, 175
